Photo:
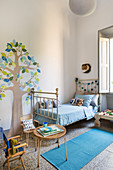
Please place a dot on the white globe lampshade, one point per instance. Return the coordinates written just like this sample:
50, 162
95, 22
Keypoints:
83, 7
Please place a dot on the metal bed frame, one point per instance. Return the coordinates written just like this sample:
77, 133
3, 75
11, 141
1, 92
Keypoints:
83, 86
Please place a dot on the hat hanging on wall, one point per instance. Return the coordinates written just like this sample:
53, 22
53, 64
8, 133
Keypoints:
86, 68
83, 7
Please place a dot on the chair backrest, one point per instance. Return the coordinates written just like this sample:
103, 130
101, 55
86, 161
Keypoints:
6, 145
26, 117
1, 135
6, 142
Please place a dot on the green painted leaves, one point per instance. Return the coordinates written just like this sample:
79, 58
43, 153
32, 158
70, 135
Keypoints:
24, 50
26, 70
35, 63
13, 64
4, 72
3, 54
13, 50
28, 90
11, 73
11, 78
37, 79
23, 71
23, 46
2, 95
16, 44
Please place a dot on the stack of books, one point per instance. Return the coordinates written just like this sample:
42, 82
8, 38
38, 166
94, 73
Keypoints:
49, 130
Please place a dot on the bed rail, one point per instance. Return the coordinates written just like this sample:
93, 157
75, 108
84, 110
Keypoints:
38, 100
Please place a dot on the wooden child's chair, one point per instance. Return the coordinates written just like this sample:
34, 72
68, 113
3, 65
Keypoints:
27, 132
9, 151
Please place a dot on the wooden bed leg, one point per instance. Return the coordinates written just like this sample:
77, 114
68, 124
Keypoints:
58, 143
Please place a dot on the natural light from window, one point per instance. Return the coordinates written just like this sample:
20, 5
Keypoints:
111, 65
106, 65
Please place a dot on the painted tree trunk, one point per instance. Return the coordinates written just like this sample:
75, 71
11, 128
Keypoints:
16, 112
17, 103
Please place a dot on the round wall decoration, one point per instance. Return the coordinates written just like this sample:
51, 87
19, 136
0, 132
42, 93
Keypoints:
86, 68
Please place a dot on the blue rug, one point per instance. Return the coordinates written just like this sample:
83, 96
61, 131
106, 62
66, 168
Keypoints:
80, 150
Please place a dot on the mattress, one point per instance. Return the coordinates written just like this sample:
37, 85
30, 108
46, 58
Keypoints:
68, 114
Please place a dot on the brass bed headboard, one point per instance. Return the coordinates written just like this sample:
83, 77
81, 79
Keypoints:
87, 86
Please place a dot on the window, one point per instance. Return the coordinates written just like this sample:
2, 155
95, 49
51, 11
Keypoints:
111, 65
104, 65
106, 60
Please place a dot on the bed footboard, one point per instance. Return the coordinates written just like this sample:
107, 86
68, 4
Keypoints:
40, 104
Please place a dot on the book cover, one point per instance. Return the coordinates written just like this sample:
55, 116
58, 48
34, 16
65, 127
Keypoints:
49, 130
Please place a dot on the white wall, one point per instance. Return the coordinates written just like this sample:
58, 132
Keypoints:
55, 43
48, 29
6, 110
87, 36
87, 41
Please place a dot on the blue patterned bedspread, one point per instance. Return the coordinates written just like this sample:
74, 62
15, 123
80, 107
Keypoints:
68, 114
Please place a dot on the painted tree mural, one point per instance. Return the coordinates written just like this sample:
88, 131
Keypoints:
19, 72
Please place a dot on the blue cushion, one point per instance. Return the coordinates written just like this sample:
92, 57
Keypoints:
19, 149
6, 142
86, 99
1, 134
54, 104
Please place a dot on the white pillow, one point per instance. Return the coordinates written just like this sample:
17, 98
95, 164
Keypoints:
94, 101
28, 124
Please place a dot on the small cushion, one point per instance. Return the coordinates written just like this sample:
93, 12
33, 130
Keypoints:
94, 101
72, 101
86, 99
44, 104
28, 124
20, 149
38, 104
54, 104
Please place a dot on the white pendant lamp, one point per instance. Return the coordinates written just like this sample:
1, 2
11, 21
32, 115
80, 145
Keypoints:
83, 7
